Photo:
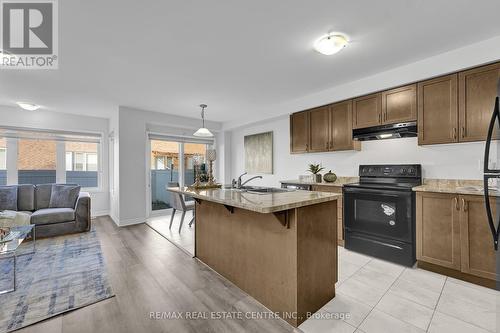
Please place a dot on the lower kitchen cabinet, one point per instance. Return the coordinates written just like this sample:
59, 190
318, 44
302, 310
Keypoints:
452, 232
478, 255
438, 229
340, 205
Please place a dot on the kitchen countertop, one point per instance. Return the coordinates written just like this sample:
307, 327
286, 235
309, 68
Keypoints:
341, 181
261, 203
455, 186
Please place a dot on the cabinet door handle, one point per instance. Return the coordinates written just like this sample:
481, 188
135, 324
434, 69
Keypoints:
454, 133
379, 117
463, 131
464, 205
456, 204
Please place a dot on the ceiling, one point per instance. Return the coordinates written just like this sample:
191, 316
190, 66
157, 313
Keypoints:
238, 57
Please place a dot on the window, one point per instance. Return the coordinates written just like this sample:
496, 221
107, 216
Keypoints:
3, 162
49, 157
36, 161
82, 163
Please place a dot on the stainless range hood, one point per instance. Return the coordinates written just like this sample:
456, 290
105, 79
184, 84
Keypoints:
392, 131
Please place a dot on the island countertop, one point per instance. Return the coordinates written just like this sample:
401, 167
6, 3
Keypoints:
261, 203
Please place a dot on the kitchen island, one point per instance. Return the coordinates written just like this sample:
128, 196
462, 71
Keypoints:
279, 247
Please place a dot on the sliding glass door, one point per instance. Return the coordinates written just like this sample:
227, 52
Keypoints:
174, 161
195, 162
164, 169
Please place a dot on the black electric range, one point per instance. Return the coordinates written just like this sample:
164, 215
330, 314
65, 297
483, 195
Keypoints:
379, 212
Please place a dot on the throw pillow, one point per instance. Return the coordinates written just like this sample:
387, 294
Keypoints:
64, 196
8, 197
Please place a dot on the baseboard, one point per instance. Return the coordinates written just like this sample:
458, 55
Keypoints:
100, 213
127, 222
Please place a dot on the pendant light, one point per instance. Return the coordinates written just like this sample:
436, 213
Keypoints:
203, 131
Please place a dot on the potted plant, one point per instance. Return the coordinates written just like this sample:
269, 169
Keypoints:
315, 170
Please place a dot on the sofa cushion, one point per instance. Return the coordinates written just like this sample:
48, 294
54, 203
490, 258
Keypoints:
52, 215
26, 197
64, 196
42, 196
8, 198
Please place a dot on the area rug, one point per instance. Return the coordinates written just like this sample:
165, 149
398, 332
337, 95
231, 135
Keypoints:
63, 274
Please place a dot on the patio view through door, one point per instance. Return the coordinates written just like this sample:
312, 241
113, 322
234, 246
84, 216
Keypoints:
166, 167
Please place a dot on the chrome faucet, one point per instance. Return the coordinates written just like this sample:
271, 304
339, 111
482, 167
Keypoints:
249, 179
239, 184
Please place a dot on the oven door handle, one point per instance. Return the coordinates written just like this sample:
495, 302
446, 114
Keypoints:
376, 191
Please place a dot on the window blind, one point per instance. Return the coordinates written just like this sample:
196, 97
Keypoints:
22, 133
179, 138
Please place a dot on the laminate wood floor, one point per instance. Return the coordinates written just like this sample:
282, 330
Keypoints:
149, 274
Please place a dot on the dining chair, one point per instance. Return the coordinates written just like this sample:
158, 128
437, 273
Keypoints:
177, 203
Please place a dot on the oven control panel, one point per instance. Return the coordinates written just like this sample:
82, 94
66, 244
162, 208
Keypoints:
401, 170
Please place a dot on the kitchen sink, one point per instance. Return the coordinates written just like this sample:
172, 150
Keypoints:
258, 190
264, 190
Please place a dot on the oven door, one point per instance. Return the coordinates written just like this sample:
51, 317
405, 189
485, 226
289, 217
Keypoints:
385, 213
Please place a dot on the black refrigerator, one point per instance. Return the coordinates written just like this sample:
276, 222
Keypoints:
492, 176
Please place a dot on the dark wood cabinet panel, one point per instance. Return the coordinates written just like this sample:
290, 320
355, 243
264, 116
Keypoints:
400, 104
438, 110
299, 132
477, 92
438, 229
340, 206
478, 254
319, 129
367, 111
341, 127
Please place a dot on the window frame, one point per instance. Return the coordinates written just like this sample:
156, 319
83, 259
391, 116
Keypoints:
12, 168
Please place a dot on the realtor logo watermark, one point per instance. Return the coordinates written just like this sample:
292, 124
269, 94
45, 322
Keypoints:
28, 34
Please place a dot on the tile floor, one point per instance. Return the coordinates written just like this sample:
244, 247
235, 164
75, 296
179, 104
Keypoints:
377, 296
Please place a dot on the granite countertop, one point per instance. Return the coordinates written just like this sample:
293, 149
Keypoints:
341, 181
261, 203
455, 186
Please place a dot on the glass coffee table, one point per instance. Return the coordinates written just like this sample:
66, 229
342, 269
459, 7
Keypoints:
9, 249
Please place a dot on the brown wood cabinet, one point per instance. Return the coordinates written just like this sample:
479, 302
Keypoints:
299, 130
319, 129
399, 105
438, 229
367, 111
327, 128
438, 110
341, 127
478, 255
452, 232
340, 209
477, 89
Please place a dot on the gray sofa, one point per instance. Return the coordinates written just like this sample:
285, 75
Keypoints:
36, 200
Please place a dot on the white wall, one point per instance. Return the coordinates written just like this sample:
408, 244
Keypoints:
42, 119
461, 161
133, 169
454, 60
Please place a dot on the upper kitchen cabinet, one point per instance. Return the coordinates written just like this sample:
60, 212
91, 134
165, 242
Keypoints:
477, 92
438, 110
400, 104
341, 127
367, 111
299, 132
319, 129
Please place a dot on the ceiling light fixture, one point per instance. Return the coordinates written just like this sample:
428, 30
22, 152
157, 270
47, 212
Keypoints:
28, 106
203, 131
330, 44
